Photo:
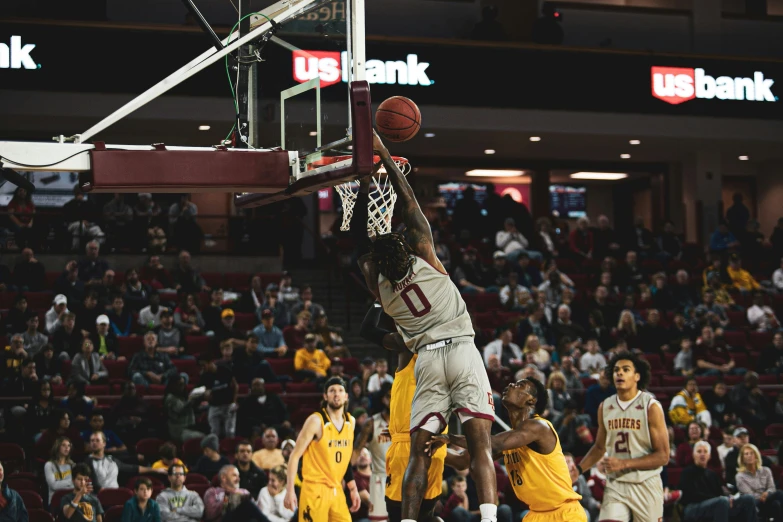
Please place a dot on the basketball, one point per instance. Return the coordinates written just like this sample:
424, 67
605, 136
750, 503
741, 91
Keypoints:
398, 119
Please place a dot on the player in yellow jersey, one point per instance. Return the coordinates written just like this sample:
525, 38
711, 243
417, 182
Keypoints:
532, 454
326, 443
398, 454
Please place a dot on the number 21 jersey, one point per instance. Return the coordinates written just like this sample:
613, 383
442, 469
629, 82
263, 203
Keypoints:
628, 434
425, 305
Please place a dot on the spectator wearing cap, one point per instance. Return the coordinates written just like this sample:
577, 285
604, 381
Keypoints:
55, 314
105, 340
226, 331
212, 311
337, 369
150, 366
261, 409
69, 284
270, 337
294, 334
306, 304
513, 243
311, 363
497, 274
273, 302
470, 275
92, 267
249, 363
741, 278
149, 316
34, 340
211, 460
171, 339
741, 438
222, 390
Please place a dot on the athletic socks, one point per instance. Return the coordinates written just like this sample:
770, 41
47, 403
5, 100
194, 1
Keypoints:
489, 513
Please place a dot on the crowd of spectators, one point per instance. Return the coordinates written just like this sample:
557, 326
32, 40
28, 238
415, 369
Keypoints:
190, 394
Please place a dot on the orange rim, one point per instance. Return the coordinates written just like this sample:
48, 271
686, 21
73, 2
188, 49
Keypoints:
328, 160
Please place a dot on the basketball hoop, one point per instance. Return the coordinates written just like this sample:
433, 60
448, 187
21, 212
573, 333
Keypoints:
382, 196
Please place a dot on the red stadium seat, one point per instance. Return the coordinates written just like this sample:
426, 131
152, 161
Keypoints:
114, 496
740, 359
706, 380
39, 515
116, 369
760, 340
195, 478
767, 378
200, 488
149, 448
674, 477
282, 366
351, 365
197, 345
188, 366
237, 281
672, 380
273, 387
131, 483
96, 389
12, 456
301, 387
39, 300
736, 339
245, 321
737, 319
21, 483
113, 514
656, 365
54, 504
213, 279
191, 450
30, 498
130, 346
731, 380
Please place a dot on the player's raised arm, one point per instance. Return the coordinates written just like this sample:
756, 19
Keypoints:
371, 331
596, 453
529, 431
419, 232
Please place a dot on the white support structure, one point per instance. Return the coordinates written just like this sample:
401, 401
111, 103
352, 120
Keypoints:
70, 154
73, 157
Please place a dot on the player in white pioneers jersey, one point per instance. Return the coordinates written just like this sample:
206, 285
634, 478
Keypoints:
416, 292
633, 442
374, 436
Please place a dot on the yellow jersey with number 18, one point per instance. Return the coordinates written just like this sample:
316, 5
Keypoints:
540, 481
326, 460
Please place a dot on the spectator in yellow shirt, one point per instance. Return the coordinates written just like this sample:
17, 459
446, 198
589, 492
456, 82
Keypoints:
687, 406
741, 278
168, 457
311, 363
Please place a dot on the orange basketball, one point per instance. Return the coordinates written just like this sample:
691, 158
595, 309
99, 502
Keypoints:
398, 119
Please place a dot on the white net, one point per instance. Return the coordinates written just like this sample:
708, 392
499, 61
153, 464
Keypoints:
381, 204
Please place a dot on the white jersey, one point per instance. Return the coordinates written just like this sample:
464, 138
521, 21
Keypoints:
426, 306
378, 449
628, 434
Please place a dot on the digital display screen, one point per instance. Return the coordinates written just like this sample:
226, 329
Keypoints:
452, 192
52, 189
568, 201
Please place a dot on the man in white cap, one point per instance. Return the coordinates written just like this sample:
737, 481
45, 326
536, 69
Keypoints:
54, 317
104, 339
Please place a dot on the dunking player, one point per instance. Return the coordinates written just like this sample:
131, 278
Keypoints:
633, 442
402, 393
417, 293
373, 435
326, 442
532, 454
